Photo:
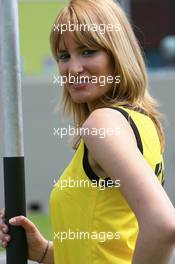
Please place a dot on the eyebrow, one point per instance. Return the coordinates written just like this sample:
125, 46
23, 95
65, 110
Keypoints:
61, 51
79, 47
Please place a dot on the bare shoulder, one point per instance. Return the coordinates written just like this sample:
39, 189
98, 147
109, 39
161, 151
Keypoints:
112, 122
101, 113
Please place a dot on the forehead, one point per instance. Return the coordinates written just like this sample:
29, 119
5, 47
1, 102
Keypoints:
68, 41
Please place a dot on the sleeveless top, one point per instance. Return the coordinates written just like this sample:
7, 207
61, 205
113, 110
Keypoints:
92, 223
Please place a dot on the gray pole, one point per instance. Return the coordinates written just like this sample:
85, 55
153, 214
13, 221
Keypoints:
11, 80
14, 181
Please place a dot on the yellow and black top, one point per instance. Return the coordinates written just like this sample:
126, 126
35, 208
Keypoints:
92, 223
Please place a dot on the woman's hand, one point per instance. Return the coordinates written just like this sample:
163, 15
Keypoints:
35, 241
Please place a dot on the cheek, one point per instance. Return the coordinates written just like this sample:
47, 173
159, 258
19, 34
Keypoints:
105, 65
62, 69
108, 66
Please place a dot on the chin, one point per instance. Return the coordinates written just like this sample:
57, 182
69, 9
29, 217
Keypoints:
78, 100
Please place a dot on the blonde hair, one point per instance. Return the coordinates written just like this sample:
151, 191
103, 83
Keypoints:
122, 46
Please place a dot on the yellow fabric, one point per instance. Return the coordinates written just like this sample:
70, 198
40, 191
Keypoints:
94, 210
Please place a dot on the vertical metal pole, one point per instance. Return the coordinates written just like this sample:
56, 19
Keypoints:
14, 180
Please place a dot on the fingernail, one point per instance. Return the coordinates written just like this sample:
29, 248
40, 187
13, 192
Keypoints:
4, 230
12, 221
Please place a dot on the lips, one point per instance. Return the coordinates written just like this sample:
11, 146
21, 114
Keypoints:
80, 83
79, 86
83, 80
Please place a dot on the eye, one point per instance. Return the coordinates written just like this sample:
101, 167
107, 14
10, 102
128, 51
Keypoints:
88, 52
63, 56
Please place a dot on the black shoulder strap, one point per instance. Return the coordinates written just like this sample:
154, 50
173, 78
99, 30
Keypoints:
133, 125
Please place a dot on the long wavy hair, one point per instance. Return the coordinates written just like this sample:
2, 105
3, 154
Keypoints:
124, 49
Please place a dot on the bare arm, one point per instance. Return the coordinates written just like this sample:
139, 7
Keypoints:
139, 185
49, 258
152, 250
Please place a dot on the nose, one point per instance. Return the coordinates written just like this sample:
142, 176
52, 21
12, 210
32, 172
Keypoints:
75, 66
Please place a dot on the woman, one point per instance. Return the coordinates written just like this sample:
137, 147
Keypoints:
120, 213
